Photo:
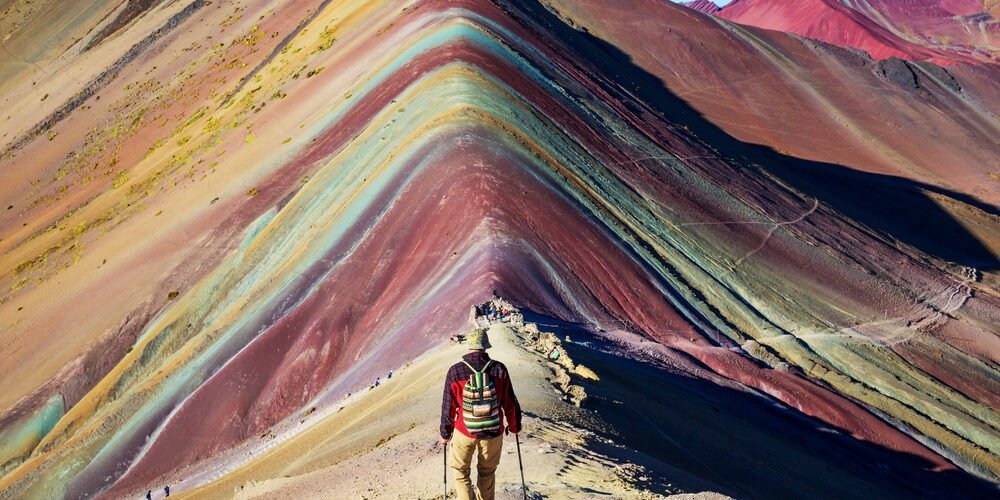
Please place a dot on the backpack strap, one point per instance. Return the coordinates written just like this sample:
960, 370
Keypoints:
479, 372
479, 376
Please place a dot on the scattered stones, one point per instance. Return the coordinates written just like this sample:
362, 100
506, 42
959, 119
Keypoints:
586, 373
563, 368
575, 395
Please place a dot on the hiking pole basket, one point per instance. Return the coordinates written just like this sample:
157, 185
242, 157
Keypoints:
524, 489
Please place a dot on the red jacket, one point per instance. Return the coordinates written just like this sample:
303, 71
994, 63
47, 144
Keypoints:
451, 402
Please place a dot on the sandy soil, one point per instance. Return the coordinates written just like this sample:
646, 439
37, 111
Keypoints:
642, 430
383, 444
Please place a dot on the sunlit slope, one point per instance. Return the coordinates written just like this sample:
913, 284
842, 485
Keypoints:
272, 203
946, 32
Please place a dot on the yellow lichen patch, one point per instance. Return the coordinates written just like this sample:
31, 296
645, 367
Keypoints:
213, 125
18, 285
193, 118
251, 38
34, 263
152, 149
232, 18
326, 40
102, 145
120, 180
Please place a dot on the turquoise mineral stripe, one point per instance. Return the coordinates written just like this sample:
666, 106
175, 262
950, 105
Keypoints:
196, 371
450, 31
290, 250
256, 227
26, 434
457, 25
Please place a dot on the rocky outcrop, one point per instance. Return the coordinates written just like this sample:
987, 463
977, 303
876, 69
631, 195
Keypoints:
706, 6
564, 371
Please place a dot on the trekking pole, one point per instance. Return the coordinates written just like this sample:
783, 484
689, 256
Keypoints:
524, 489
444, 453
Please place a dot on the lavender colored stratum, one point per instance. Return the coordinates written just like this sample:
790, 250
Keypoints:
770, 234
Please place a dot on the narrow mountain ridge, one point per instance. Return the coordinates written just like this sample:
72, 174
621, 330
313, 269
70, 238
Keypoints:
269, 204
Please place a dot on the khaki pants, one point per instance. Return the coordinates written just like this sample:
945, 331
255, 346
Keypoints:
462, 449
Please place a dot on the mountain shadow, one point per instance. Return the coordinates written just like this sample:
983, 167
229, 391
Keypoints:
739, 441
900, 208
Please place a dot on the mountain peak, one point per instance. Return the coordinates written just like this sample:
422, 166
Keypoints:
703, 6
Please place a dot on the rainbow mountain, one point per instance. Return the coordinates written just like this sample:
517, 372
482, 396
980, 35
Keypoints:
221, 218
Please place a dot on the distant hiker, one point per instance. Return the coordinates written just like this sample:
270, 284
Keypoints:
390, 375
149, 494
377, 381
166, 490
478, 397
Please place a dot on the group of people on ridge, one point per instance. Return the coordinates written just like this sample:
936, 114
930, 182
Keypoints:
491, 312
166, 492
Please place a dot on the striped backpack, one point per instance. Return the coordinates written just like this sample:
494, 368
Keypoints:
480, 409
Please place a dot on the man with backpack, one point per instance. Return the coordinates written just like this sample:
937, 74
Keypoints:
478, 398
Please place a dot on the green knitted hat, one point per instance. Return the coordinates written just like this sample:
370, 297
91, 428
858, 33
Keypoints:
477, 339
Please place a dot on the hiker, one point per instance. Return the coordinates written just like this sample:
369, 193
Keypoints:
478, 398
149, 494
166, 490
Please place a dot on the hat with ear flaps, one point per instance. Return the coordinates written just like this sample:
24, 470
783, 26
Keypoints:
477, 339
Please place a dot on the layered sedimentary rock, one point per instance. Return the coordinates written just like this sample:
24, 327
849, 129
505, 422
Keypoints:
702, 6
217, 215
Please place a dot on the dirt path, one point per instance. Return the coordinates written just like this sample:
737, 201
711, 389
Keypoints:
382, 444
